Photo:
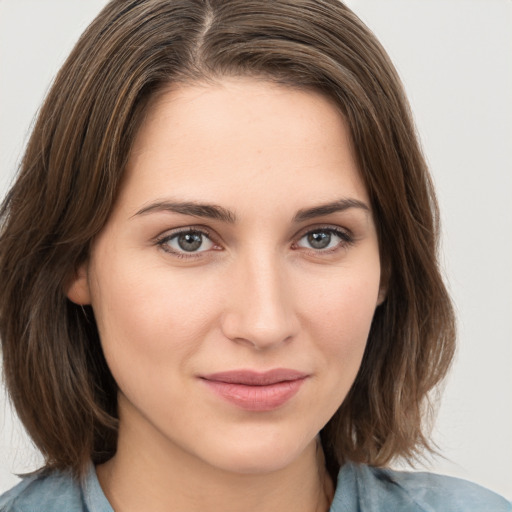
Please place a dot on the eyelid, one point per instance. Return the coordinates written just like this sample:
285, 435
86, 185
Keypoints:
346, 239
162, 239
345, 234
343, 231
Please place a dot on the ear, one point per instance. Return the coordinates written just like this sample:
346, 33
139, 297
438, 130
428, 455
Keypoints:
384, 284
383, 292
78, 287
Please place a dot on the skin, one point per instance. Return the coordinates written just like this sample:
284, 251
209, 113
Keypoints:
255, 295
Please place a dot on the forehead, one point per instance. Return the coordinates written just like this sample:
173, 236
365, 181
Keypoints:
223, 140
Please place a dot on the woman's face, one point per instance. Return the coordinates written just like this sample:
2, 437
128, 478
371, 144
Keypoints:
236, 279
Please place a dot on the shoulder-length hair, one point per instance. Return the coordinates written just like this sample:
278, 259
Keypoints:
54, 368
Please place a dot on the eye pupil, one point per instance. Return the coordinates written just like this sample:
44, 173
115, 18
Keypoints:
190, 241
319, 239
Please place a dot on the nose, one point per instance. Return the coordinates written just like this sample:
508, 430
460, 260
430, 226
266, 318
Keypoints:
261, 311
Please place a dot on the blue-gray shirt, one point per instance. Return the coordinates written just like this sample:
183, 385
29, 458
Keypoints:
359, 489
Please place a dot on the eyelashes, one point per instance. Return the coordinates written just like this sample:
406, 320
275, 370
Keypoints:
190, 242
324, 239
194, 242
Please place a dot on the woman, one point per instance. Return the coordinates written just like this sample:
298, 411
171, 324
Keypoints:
220, 280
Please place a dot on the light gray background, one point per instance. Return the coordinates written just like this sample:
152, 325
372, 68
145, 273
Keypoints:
455, 57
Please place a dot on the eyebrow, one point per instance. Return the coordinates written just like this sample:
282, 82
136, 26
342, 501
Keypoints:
328, 208
212, 211
209, 211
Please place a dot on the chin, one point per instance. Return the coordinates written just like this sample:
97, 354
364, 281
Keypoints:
260, 457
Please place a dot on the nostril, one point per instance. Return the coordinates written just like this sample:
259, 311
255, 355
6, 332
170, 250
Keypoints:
260, 311
258, 333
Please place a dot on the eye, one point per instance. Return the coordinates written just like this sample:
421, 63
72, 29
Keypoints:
324, 239
189, 241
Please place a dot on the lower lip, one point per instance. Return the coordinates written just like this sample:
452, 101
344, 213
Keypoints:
256, 398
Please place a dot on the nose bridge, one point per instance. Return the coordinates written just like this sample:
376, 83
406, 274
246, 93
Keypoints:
261, 310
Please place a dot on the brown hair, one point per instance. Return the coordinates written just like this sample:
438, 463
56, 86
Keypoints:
54, 368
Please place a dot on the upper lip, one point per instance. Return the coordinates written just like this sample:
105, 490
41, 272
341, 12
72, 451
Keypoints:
255, 378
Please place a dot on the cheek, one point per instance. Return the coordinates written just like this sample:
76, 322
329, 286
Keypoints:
339, 319
344, 306
149, 318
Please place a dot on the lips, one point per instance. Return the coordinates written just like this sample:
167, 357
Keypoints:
255, 391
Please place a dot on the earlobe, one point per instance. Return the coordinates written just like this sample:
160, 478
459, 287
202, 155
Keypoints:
383, 288
382, 295
78, 287
384, 284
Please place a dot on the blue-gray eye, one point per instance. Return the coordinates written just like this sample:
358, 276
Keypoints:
189, 241
322, 239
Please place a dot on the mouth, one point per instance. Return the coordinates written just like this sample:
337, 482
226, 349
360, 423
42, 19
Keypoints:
255, 391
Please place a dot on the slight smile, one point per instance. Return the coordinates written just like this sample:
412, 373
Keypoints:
256, 391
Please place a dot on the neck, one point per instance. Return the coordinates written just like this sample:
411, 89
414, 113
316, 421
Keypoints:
148, 474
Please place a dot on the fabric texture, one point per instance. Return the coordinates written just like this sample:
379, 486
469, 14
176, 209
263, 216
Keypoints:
359, 488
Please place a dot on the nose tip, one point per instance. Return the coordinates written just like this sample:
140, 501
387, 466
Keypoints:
259, 337
261, 314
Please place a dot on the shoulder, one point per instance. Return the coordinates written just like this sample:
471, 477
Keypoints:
385, 489
445, 493
52, 492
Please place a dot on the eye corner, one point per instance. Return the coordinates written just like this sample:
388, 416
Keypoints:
326, 242
200, 242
